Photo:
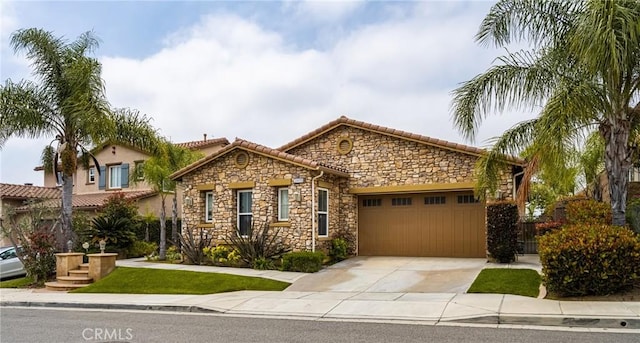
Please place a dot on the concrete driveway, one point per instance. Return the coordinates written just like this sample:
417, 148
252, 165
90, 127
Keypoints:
394, 275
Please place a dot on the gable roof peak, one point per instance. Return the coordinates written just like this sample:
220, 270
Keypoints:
343, 120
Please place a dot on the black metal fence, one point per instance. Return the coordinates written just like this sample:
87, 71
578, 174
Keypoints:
527, 243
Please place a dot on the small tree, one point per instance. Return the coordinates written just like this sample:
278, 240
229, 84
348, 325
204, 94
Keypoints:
156, 171
34, 231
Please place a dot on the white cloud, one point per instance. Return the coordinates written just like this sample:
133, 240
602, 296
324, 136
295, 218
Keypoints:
227, 76
327, 10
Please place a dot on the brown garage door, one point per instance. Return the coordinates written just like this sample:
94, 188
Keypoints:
448, 224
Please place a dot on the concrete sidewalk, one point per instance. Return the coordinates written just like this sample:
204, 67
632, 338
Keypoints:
423, 308
493, 310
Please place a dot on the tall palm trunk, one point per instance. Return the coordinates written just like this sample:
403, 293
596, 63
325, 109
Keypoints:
163, 230
617, 163
67, 209
174, 222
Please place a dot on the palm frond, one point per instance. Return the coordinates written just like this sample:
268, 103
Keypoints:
522, 81
539, 22
26, 111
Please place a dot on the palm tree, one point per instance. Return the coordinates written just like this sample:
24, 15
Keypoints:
67, 103
156, 171
583, 72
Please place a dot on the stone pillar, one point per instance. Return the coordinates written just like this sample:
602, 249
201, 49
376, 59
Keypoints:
100, 265
67, 261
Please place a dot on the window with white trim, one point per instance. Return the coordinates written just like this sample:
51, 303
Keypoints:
115, 176
283, 204
244, 212
323, 212
208, 207
139, 170
91, 175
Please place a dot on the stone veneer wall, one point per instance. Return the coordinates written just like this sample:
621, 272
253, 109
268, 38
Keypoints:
381, 160
223, 171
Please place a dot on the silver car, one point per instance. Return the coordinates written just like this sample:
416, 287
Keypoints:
10, 264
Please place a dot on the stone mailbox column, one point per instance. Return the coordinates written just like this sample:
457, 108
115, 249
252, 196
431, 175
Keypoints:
67, 261
100, 265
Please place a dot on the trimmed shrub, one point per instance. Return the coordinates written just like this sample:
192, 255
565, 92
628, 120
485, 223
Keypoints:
349, 238
502, 231
338, 250
588, 212
547, 227
222, 255
633, 214
141, 248
592, 259
302, 261
154, 229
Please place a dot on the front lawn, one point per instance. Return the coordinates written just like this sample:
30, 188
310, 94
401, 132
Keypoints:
159, 281
17, 283
507, 281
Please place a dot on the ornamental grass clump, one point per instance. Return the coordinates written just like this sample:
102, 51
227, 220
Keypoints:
589, 259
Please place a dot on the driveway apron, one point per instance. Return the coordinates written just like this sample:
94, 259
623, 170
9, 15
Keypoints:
394, 275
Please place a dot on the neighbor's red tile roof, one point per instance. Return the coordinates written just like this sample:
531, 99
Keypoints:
262, 150
95, 200
13, 191
392, 132
203, 143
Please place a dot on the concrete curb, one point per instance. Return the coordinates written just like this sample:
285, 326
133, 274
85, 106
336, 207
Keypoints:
552, 321
582, 322
166, 308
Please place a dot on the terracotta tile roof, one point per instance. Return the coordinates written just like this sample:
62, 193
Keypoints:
262, 150
203, 143
28, 192
392, 132
95, 200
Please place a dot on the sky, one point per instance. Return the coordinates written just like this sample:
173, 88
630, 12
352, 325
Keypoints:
266, 71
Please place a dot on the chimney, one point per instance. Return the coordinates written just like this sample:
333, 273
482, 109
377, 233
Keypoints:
205, 137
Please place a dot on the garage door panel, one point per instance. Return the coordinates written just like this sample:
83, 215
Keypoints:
437, 226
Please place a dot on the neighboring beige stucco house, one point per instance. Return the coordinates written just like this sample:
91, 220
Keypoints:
14, 196
117, 165
398, 193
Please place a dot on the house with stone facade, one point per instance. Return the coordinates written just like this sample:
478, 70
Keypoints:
397, 193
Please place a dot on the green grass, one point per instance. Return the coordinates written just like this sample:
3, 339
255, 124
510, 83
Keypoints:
507, 281
17, 283
159, 281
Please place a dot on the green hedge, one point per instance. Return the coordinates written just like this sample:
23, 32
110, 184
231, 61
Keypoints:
154, 230
302, 261
502, 231
594, 259
588, 211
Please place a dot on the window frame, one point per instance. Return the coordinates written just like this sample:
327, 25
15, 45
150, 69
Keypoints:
208, 217
241, 214
282, 190
111, 168
138, 169
321, 212
91, 175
